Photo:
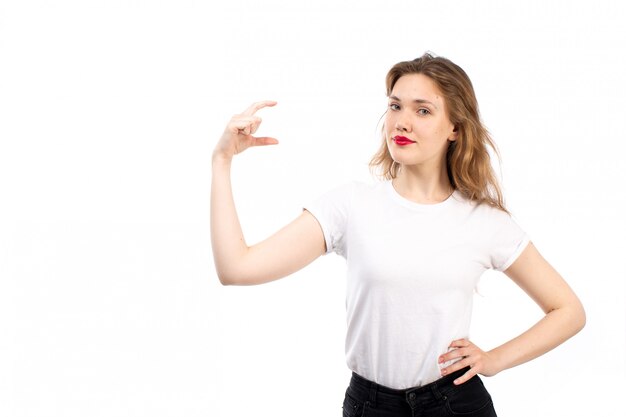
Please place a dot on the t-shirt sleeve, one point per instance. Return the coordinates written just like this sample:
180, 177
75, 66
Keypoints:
331, 210
508, 242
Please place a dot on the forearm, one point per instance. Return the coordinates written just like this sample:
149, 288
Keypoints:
227, 240
555, 328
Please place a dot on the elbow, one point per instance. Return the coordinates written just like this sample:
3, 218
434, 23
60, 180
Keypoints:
234, 277
581, 318
241, 273
577, 317
230, 278
227, 273
573, 317
225, 276
232, 271
224, 280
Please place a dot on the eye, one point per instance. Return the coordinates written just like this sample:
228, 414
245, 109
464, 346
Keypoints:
394, 106
423, 112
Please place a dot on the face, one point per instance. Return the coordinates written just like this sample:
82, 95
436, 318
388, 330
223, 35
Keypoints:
417, 128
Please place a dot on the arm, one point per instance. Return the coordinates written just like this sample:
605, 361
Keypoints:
288, 250
565, 315
564, 318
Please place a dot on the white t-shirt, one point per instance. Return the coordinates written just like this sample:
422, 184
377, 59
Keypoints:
412, 270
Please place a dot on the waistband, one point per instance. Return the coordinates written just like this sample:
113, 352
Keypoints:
437, 390
441, 382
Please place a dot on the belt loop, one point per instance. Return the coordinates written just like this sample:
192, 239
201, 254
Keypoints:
373, 390
435, 390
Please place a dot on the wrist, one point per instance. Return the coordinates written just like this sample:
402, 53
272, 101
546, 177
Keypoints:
220, 158
497, 361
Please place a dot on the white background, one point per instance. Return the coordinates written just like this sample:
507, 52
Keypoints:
109, 111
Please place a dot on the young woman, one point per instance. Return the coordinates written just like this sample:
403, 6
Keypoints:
415, 244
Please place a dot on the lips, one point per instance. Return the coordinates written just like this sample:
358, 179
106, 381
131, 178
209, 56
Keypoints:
402, 140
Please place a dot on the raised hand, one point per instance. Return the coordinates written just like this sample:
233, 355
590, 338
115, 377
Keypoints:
237, 136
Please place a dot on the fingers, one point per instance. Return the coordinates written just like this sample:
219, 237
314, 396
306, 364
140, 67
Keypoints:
454, 354
466, 376
237, 136
466, 354
461, 348
265, 140
460, 364
460, 343
245, 125
254, 107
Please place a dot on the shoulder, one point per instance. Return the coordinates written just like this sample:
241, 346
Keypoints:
357, 187
368, 192
481, 209
488, 218
340, 195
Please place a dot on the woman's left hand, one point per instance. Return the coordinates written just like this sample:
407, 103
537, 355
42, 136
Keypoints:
479, 361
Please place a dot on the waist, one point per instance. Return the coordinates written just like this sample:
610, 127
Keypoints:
443, 384
441, 397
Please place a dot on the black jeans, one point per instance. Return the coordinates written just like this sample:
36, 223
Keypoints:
437, 399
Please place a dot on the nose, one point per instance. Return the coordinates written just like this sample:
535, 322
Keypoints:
400, 127
402, 124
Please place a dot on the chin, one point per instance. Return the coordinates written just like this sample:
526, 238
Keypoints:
402, 159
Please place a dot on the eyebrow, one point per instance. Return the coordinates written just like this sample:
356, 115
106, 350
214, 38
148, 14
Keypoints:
417, 100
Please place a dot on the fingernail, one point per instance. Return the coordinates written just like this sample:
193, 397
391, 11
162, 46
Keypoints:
443, 372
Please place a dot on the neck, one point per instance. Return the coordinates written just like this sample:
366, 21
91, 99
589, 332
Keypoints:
423, 186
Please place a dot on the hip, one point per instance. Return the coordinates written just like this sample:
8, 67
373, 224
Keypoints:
439, 398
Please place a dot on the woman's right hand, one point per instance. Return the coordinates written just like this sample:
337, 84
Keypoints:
237, 136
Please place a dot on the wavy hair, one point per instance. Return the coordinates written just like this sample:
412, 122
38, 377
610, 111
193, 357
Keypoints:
467, 159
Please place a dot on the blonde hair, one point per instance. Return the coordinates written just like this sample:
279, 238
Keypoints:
467, 159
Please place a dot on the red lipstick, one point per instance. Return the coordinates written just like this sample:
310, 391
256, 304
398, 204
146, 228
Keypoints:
402, 140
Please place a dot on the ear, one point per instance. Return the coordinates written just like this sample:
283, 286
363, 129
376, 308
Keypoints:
455, 133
